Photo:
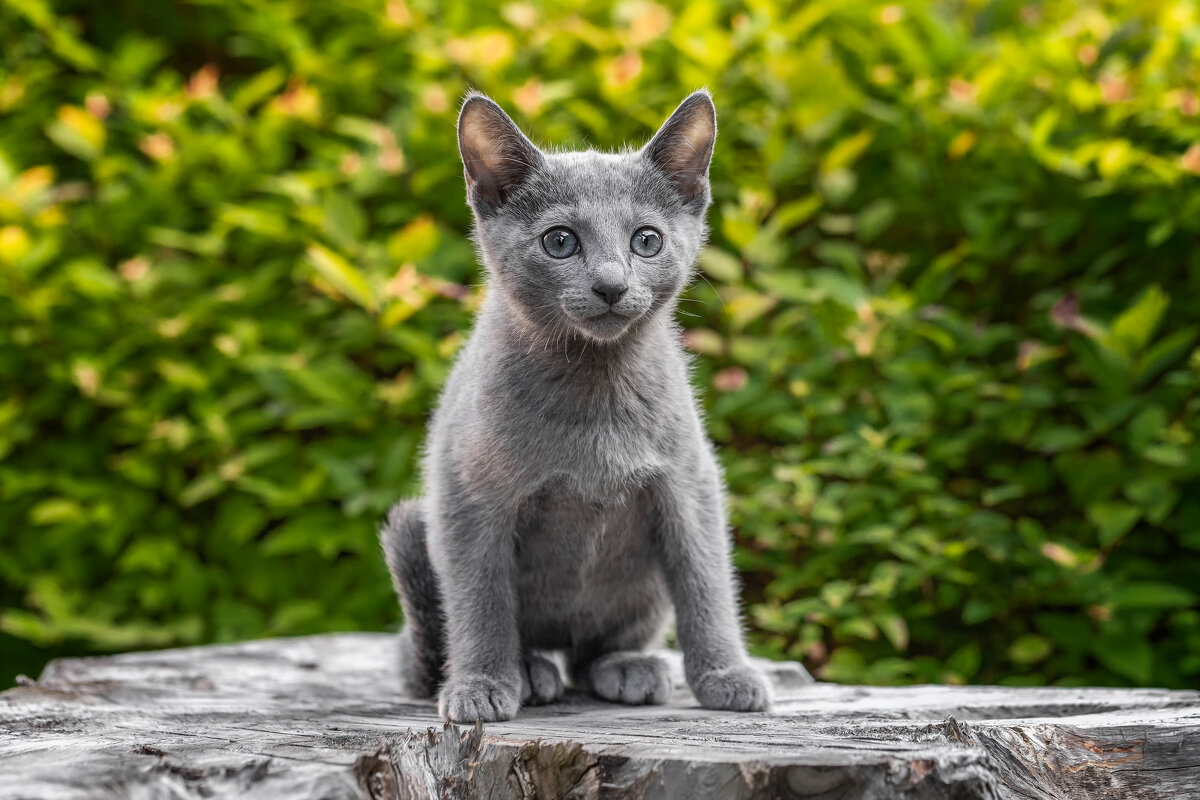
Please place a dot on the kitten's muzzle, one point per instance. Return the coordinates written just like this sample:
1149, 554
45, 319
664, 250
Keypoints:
610, 292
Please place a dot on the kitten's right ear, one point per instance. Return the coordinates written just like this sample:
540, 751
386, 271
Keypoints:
496, 156
683, 146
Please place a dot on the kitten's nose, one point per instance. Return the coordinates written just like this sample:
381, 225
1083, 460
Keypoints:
610, 291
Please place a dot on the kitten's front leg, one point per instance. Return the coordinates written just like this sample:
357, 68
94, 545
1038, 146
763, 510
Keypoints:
474, 555
694, 545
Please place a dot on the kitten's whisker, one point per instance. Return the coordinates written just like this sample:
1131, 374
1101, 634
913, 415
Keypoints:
720, 299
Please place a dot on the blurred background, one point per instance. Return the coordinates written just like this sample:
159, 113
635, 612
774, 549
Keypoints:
946, 329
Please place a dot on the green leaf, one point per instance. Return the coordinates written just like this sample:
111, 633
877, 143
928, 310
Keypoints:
155, 555
1002, 494
845, 664
59, 34
1153, 595
1029, 649
1134, 327
721, 265
895, 629
965, 661
1059, 438
1146, 427
1165, 352
313, 532
1126, 655
977, 610
55, 510
258, 88
856, 628
1156, 497
1070, 632
78, 133
416, 241
875, 218
344, 277
836, 593
841, 288
202, 488
797, 212
1113, 519
847, 151
1168, 455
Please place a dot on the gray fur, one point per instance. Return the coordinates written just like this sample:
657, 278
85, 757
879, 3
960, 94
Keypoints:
571, 497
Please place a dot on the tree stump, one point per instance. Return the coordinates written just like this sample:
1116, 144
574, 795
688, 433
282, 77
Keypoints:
321, 717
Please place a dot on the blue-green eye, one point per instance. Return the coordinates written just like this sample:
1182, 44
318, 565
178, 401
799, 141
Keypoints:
646, 242
560, 242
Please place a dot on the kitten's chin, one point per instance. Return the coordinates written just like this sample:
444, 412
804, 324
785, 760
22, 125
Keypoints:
606, 327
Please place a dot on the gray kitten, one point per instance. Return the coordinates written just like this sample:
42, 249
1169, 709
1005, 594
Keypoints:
571, 497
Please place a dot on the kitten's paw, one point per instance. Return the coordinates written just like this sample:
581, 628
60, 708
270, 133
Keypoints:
736, 689
469, 697
631, 678
541, 680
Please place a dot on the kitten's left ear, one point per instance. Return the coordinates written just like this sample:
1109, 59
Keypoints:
496, 155
683, 146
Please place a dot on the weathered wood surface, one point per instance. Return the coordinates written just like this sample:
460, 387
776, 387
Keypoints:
321, 717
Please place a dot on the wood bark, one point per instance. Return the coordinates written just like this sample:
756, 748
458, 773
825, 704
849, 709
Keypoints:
321, 717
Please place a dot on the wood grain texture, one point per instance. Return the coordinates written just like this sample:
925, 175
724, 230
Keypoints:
321, 717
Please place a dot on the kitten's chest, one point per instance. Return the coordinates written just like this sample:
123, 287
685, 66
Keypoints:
568, 544
600, 428
600, 440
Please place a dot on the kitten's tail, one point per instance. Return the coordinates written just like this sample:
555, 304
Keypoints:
422, 642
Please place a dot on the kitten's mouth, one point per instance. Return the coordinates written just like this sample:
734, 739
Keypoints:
605, 326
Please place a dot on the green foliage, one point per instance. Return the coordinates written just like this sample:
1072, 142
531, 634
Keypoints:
947, 328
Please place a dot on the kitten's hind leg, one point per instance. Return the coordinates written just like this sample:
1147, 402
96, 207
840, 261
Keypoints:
617, 668
422, 642
628, 676
542, 681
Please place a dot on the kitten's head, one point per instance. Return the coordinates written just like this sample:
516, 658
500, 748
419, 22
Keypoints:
594, 241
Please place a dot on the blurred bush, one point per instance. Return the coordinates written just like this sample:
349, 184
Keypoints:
947, 326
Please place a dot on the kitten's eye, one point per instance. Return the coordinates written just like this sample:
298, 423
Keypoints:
646, 242
560, 243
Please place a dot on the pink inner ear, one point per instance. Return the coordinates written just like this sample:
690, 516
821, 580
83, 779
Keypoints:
683, 146
694, 139
485, 154
497, 156
478, 151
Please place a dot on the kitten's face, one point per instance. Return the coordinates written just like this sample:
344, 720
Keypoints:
590, 242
